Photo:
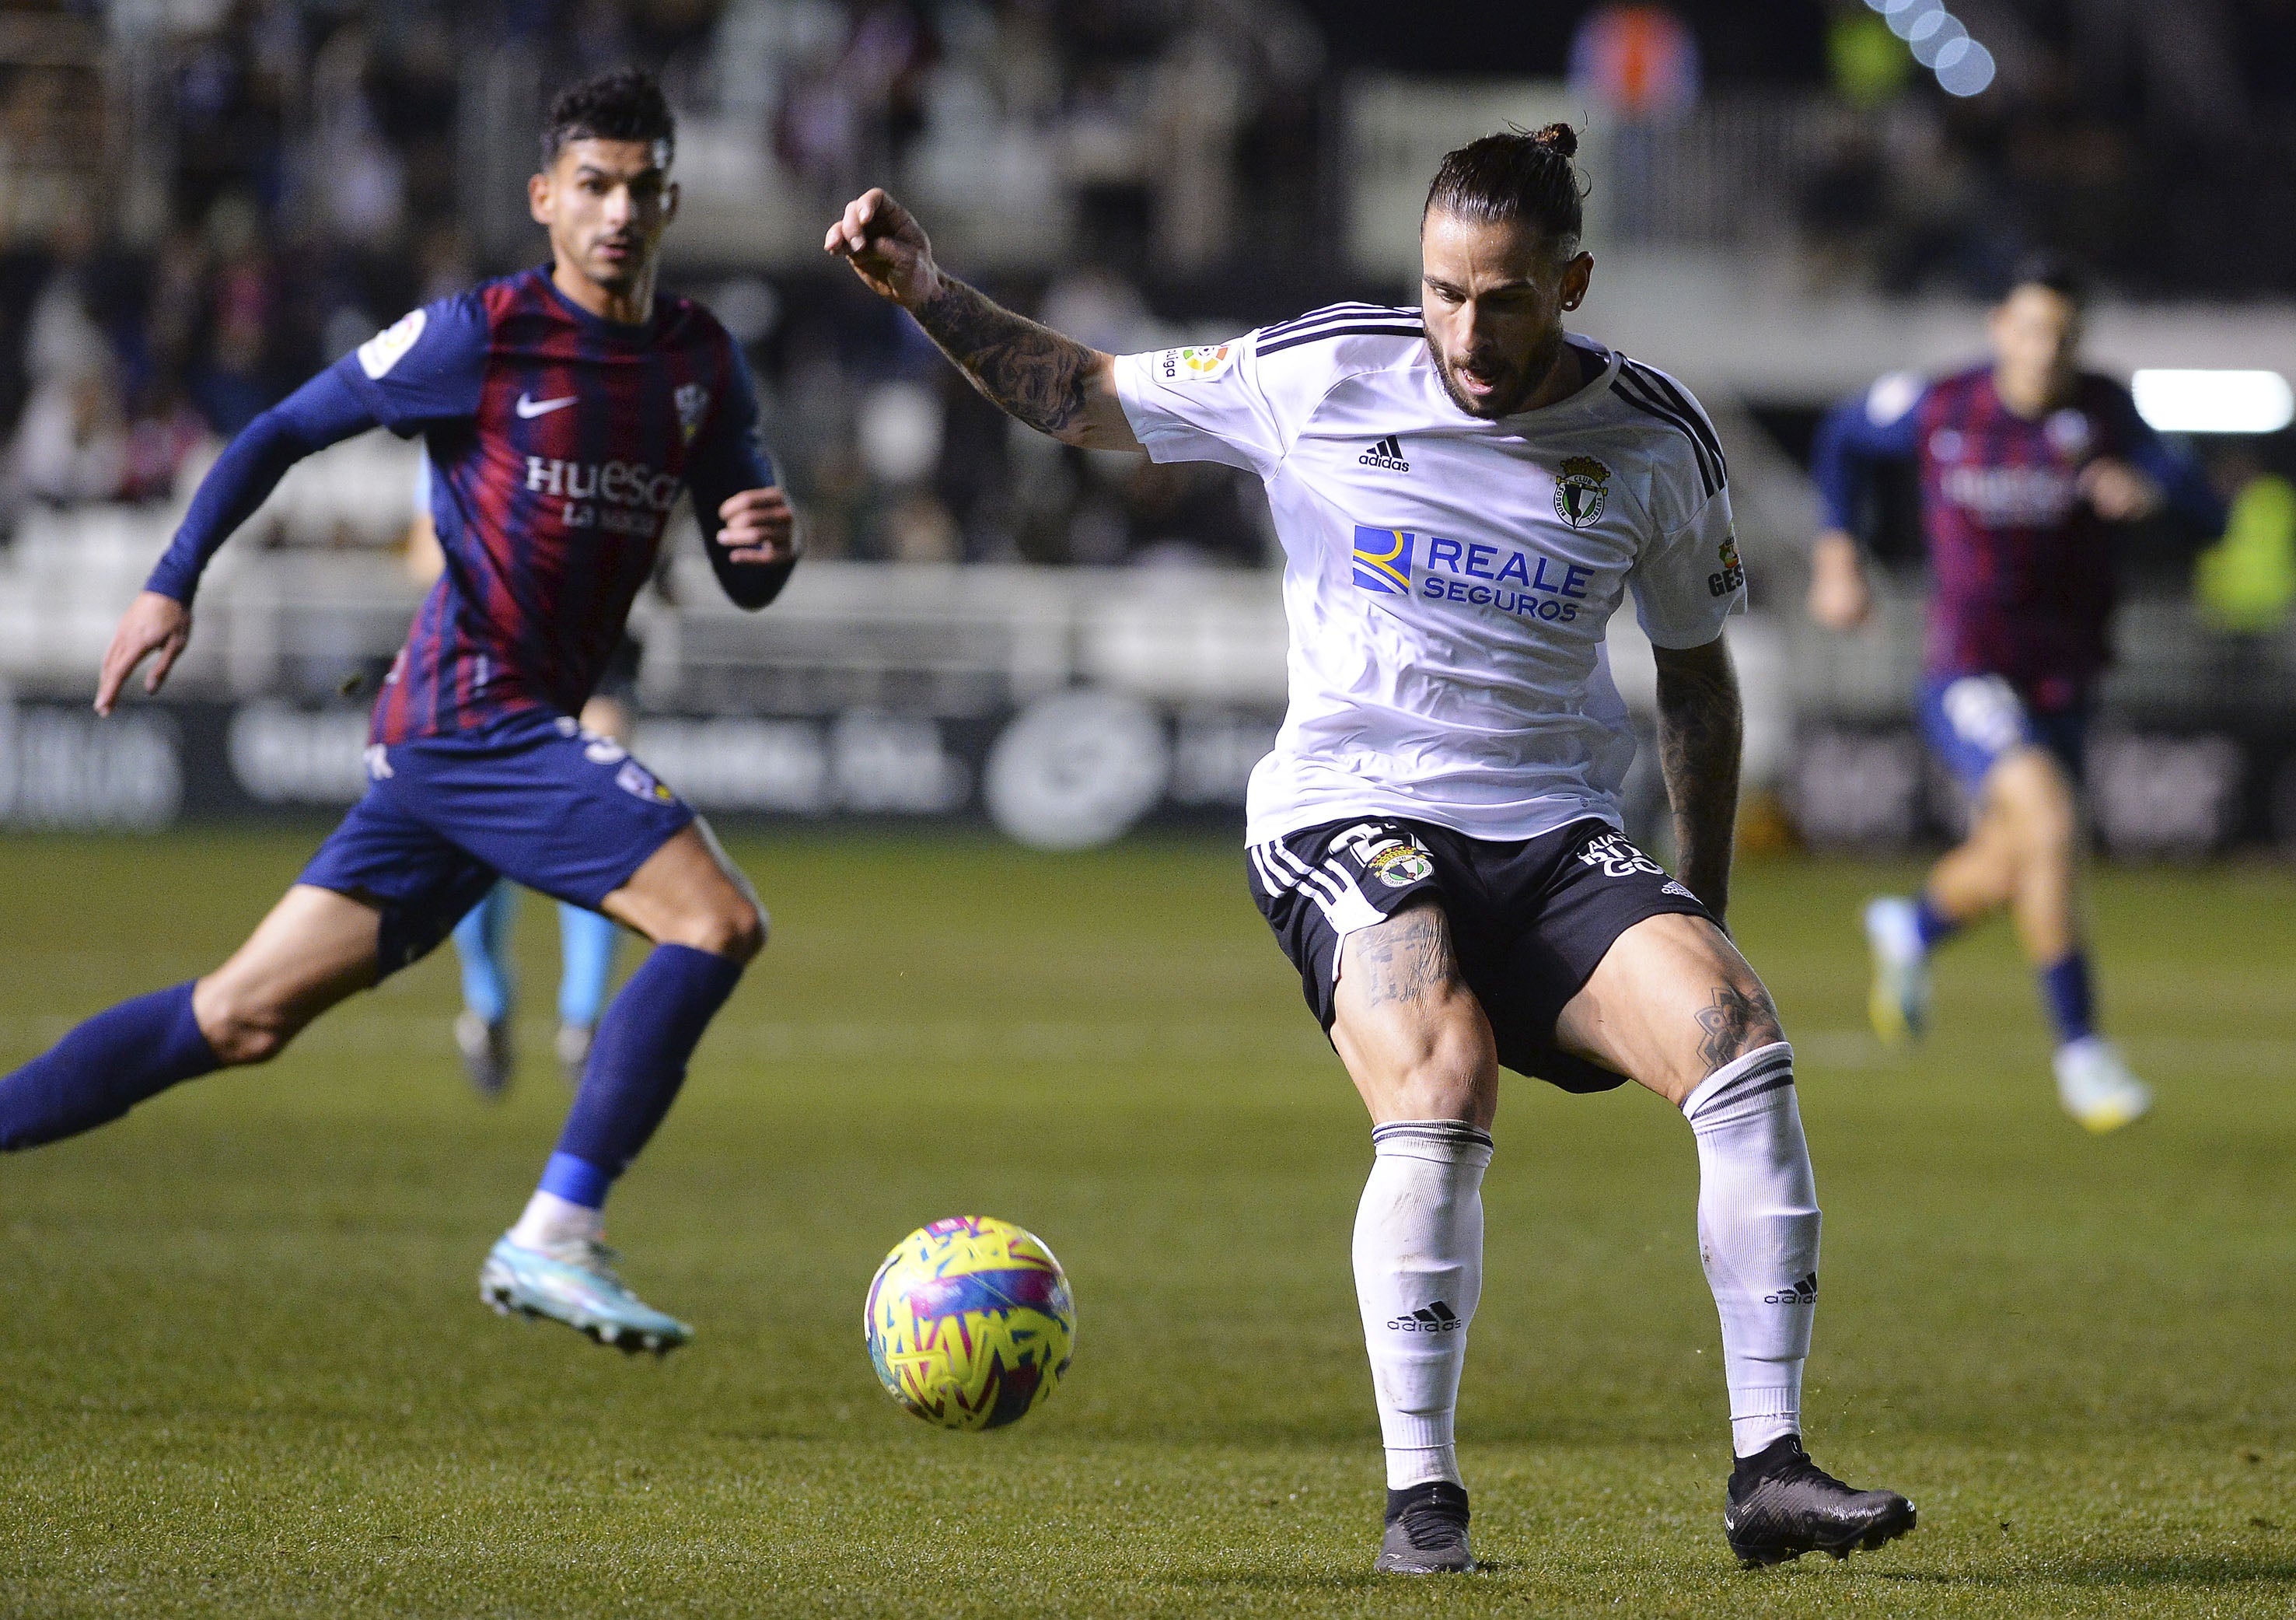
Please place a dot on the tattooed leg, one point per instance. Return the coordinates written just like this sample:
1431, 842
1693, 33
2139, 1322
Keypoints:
1672, 1002
1413, 1035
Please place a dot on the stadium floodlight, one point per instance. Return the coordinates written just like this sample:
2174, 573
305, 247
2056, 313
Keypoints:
1964, 68
2214, 401
1933, 33
1904, 17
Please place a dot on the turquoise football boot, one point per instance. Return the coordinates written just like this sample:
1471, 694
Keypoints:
575, 1283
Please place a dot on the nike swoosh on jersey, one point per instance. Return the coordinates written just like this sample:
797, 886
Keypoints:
528, 406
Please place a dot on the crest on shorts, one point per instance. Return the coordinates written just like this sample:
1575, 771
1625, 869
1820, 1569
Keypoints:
692, 404
1399, 866
1582, 489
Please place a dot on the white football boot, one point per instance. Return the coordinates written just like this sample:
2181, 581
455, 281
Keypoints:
2096, 1086
1899, 1005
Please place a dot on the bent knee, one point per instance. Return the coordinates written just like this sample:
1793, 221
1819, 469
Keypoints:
239, 1031
734, 929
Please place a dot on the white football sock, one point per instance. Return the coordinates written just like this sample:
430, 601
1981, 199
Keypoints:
550, 1219
1419, 1271
1758, 1236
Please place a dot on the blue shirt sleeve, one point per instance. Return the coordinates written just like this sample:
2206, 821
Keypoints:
428, 367
323, 411
2185, 488
729, 457
1881, 424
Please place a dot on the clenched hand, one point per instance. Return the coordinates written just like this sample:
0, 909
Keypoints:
759, 526
887, 248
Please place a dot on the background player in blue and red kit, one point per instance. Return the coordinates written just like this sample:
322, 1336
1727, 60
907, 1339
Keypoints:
564, 410
2024, 464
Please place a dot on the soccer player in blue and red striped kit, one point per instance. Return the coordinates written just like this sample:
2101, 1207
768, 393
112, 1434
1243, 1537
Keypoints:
564, 410
2025, 463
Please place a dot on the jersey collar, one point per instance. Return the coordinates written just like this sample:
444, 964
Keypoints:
616, 331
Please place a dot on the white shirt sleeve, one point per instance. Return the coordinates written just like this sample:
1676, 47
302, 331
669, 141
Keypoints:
1688, 582
1204, 403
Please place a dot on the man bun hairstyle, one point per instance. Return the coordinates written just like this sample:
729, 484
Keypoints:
625, 105
2060, 273
1515, 174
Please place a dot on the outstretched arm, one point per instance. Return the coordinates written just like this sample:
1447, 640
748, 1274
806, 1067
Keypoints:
1700, 729
323, 411
1054, 383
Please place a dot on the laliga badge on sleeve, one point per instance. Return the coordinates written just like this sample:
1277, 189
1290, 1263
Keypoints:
388, 347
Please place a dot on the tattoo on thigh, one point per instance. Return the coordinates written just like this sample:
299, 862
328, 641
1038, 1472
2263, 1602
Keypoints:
1734, 1017
1405, 956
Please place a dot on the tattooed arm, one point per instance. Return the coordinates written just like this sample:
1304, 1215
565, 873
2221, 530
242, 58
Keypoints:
1700, 727
1054, 383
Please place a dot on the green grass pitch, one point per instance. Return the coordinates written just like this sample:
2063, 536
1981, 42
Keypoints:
246, 1372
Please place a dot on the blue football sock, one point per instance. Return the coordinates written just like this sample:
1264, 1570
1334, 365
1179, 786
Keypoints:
482, 940
103, 1068
637, 1062
1932, 924
586, 943
2073, 1007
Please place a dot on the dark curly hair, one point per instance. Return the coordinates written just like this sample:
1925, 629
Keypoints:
623, 105
1515, 174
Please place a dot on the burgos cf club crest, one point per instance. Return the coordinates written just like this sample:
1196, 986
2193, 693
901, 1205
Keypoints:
1382, 560
693, 406
1582, 489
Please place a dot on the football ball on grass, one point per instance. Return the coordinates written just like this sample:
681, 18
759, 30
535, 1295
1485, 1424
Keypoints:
969, 1323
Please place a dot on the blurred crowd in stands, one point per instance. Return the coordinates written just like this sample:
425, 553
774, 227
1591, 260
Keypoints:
203, 201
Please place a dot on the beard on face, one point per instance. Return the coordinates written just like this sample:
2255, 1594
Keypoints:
1527, 374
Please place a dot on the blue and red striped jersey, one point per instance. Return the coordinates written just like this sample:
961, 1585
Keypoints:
2022, 575
559, 444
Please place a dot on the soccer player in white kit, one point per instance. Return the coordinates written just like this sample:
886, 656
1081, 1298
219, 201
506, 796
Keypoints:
1464, 494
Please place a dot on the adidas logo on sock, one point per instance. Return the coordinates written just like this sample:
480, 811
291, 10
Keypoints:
1803, 1293
1437, 1318
1387, 454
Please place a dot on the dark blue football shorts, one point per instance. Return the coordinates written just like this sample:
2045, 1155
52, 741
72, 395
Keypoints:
532, 797
1970, 720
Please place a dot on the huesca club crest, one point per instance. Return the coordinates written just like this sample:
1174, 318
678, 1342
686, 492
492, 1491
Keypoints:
1581, 491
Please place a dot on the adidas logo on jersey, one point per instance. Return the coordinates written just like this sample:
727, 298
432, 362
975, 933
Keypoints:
1437, 1318
1386, 455
1803, 1293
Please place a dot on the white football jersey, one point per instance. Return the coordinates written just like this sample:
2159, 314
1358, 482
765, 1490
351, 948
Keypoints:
1448, 578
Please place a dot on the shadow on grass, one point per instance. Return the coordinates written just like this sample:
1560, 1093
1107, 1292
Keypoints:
2209, 1571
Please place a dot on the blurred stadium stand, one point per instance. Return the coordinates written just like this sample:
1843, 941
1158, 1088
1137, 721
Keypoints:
202, 201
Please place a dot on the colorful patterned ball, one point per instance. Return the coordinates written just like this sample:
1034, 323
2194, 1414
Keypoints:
970, 1322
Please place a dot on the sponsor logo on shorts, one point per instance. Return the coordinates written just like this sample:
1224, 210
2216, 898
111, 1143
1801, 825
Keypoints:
1400, 866
1732, 574
1671, 887
378, 761
1582, 489
1616, 854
